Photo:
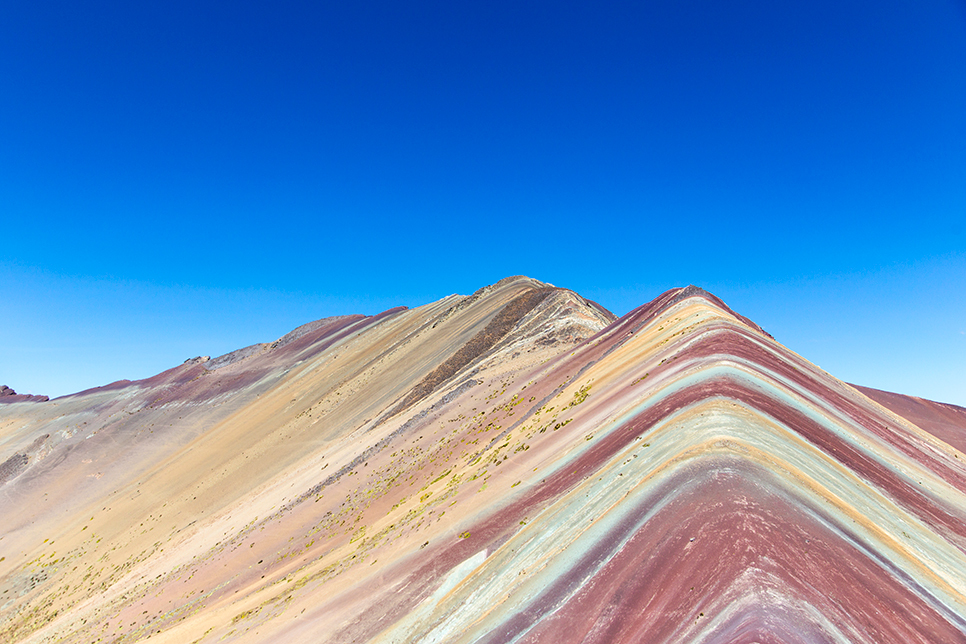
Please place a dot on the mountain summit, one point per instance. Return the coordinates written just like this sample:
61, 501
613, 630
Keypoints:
516, 465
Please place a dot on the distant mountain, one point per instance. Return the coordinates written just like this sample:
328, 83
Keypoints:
511, 466
8, 395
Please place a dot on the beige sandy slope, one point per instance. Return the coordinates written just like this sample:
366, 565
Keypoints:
146, 503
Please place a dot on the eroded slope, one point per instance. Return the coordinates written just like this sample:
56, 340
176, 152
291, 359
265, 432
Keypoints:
509, 466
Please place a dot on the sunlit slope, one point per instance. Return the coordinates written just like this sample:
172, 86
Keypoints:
482, 470
946, 422
114, 478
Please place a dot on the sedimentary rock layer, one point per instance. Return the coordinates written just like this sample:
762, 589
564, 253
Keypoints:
512, 466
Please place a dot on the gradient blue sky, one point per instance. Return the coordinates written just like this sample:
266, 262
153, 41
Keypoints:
186, 178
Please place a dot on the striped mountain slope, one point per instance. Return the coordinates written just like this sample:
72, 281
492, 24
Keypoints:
511, 466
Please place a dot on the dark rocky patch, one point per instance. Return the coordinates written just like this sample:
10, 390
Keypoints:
8, 395
12, 467
495, 330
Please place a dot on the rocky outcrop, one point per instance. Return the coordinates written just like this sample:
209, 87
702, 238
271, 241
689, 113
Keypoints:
8, 395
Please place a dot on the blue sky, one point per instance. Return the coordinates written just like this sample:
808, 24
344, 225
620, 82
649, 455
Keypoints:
187, 178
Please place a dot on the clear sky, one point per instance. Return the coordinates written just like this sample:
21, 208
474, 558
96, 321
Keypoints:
186, 178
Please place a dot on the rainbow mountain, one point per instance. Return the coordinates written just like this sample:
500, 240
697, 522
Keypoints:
516, 465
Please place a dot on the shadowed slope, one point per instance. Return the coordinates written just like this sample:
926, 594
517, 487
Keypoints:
675, 475
493, 332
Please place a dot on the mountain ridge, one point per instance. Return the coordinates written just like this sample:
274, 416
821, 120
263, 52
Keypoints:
672, 475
